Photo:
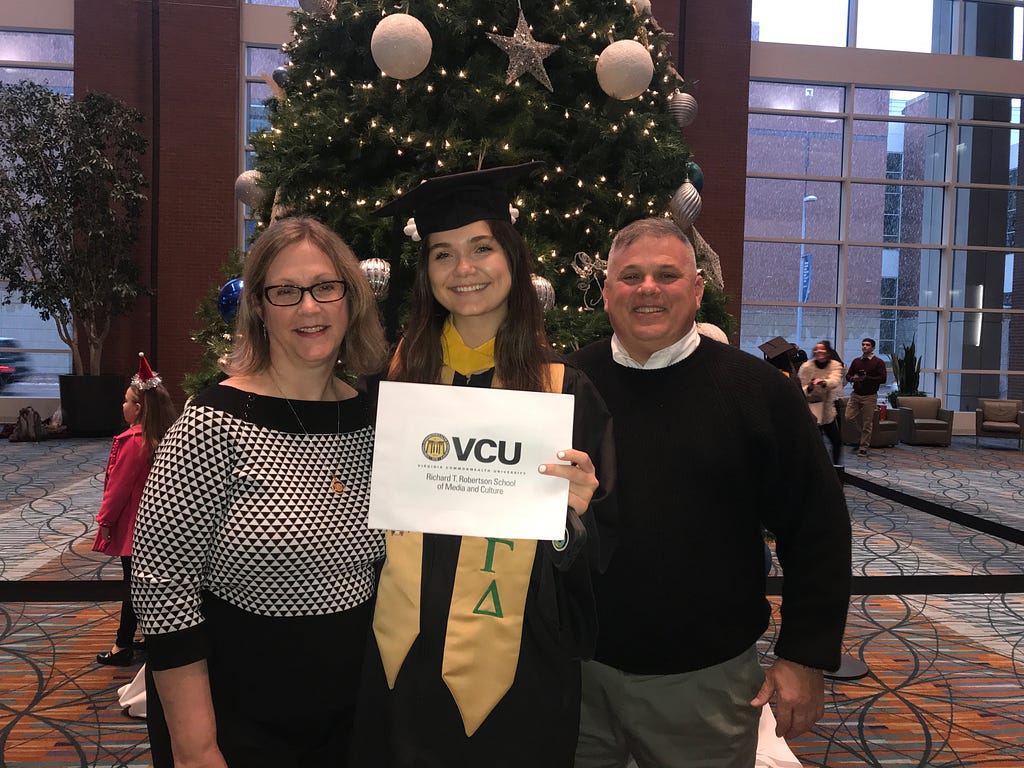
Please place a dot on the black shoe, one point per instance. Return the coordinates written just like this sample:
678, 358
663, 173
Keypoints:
122, 658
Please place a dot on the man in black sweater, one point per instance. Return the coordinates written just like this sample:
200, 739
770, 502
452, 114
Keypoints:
712, 444
867, 374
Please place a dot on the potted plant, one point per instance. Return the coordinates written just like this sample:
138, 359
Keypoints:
70, 202
906, 369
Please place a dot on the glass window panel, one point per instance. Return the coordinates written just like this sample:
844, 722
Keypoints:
987, 280
808, 22
982, 341
257, 113
263, 60
790, 144
906, 277
892, 329
908, 25
992, 29
913, 213
759, 324
787, 272
988, 155
899, 150
964, 389
41, 47
40, 354
249, 231
805, 97
893, 103
792, 209
59, 80
1001, 109
985, 217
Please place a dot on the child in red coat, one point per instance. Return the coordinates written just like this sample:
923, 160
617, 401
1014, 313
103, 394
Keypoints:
149, 412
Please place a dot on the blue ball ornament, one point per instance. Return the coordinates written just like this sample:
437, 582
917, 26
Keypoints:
695, 175
280, 76
229, 298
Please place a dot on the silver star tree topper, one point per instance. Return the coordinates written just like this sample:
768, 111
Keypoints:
524, 53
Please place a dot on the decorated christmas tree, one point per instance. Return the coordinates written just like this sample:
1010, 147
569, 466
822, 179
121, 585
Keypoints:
379, 96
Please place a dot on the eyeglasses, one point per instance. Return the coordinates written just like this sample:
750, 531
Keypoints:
290, 295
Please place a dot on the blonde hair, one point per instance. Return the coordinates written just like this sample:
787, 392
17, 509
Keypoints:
363, 349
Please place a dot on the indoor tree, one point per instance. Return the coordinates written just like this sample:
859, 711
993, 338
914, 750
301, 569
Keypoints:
70, 201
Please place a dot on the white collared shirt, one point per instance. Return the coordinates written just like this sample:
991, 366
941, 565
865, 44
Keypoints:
663, 358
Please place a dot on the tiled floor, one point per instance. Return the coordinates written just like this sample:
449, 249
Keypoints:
946, 671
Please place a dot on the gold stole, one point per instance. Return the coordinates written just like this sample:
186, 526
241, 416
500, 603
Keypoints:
485, 618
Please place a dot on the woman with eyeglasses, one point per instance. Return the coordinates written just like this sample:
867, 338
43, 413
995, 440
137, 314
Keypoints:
253, 564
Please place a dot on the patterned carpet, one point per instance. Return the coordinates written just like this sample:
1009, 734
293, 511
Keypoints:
945, 687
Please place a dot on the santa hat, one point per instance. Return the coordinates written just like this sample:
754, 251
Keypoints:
145, 378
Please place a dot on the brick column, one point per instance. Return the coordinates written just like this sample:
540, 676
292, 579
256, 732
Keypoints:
192, 161
715, 52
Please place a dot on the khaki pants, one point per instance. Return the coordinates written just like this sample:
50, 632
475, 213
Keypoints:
860, 410
700, 719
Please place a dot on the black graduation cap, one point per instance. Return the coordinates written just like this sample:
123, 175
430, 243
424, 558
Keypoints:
775, 347
458, 199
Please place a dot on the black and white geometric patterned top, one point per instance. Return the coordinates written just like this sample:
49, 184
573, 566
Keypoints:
240, 503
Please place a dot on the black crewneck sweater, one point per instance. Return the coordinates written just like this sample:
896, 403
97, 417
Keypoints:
709, 449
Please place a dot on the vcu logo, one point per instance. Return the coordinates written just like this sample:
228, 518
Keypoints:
435, 446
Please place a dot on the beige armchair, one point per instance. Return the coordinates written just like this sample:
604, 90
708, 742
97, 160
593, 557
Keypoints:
884, 432
923, 421
1000, 418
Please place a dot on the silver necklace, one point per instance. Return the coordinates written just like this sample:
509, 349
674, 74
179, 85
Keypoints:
336, 484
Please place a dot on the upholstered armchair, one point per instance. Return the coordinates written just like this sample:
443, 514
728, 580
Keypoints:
923, 421
1000, 418
884, 432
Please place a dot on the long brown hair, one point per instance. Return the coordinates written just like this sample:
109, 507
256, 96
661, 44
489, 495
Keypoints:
363, 349
521, 350
158, 413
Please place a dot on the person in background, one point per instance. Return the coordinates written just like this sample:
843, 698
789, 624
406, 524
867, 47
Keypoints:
822, 380
149, 413
712, 444
867, 373
254, 565
445, 684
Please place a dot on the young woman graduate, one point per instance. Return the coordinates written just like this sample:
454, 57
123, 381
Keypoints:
446, 684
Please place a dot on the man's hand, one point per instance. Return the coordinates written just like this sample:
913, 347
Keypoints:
799, 695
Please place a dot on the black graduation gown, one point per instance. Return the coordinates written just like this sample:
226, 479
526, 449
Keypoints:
536, 722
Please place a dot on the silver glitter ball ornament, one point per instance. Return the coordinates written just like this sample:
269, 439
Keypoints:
318, 9
683, 108
378, 275
545, 291
249, 191
685, 205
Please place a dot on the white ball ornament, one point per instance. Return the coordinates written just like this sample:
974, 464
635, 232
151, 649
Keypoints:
685, 205
378, 275
545, 291
401, 46
712, 331
683, 108
249, 191
625, 69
